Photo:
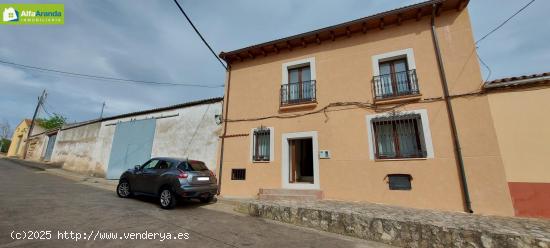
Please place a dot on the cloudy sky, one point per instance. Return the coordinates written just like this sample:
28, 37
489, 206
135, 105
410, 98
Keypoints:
150, 40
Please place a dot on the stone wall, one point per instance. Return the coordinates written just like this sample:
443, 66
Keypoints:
405, 227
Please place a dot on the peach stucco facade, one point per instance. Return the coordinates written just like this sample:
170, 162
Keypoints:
523, 139
343, 70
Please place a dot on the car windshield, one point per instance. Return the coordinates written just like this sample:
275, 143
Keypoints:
193, 166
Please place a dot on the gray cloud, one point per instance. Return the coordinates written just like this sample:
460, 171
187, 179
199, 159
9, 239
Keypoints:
150, 40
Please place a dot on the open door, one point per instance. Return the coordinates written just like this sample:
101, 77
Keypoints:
301, 161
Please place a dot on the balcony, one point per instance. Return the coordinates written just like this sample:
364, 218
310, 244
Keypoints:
298, 93
395, 85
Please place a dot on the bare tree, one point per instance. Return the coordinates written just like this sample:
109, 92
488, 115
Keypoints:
5, 130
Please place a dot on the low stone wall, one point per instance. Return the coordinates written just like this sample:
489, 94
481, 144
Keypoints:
405, 227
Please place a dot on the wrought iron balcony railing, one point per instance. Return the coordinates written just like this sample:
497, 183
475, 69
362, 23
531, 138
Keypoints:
395, 84
298, 93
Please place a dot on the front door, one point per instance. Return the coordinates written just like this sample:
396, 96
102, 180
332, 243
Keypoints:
300, 161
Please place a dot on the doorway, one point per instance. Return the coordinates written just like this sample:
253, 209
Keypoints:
301, 160
49, 147
19, 139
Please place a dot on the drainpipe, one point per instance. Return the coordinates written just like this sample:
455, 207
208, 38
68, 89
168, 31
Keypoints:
456, 142
226, 101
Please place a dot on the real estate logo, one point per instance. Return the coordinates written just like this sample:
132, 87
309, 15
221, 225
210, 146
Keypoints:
10, 15
32, 14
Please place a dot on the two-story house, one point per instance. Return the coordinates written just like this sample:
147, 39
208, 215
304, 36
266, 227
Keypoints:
374, 110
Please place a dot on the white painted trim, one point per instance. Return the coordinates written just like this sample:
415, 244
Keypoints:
271, 145
285, 165
425, 131
297, 63
407, 53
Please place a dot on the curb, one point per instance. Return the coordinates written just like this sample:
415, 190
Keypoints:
31, 165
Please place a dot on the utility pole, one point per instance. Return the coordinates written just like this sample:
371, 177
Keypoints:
102, 107
40, 100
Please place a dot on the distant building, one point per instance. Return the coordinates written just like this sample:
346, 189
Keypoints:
19, 138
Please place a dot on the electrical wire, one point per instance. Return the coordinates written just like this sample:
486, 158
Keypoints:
50, 110
200, 35
113, 79
196, 131
506, 21
356, 105
46, 111
489, 71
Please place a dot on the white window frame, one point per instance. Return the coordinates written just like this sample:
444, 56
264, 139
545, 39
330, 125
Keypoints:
271, 145
405, 53
425, 132
298, 63
285, 164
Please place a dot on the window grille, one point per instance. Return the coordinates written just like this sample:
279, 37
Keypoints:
261, 142
238, 174
399, 136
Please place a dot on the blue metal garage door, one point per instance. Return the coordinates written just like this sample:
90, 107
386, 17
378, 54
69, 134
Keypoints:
132, 145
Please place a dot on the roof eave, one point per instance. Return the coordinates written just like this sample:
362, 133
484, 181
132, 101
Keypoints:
518, 81
376, 21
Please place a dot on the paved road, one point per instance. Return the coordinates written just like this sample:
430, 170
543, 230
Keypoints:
32, 200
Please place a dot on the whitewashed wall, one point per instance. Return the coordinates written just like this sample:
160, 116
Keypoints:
193, 133
75, 149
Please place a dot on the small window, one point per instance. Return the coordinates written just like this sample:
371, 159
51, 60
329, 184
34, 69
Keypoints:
238, 174
399, 181
399, 136
261, 145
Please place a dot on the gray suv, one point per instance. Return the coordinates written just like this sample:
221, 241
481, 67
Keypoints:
168, 179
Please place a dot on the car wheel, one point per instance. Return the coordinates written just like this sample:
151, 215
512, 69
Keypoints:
123, 189
207, 199
167, 199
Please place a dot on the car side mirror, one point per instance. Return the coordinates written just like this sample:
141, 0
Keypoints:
137, 167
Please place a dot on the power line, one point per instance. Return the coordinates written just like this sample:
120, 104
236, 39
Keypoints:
489, 71
113, 79
503, 23
199, 34
46, 111
49, 106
